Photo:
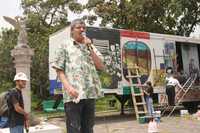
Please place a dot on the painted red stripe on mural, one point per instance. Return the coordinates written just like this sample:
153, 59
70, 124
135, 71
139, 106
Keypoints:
135, 34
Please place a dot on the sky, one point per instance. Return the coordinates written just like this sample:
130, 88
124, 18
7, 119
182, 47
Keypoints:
9, 8
12, 8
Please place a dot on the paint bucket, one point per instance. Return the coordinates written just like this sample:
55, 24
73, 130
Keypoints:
184, 112
157, 113
142, 120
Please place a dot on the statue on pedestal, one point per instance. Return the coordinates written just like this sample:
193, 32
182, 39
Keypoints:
19, 23
22, 54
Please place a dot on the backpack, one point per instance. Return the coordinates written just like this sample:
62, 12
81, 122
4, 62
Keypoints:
4, 96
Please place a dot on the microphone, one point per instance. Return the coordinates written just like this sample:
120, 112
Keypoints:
90, 48
83, 34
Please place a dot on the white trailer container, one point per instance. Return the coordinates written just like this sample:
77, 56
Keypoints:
150, 51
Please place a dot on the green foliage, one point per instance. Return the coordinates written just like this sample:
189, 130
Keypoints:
7, 71
189, 16
36, 104
102, 104
44, 18
51, 12
105, 78
160, 16
139, 15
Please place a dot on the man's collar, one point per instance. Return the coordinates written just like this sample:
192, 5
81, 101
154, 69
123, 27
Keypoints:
74, 41
18, 89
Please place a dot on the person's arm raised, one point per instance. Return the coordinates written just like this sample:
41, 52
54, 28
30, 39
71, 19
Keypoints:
93, 51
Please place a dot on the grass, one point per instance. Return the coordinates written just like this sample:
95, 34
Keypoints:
48, 115
102, 105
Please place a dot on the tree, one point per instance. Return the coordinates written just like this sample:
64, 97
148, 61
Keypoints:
44, 18
51, 12
8, 40
139, 15
189, 16
160, 16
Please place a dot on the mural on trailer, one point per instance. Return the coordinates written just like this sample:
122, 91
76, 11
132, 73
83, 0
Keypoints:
190, 59
169, 58
135, 51
121, 49
107, 41
170, 55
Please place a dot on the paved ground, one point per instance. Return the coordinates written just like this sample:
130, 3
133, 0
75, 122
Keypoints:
127, 124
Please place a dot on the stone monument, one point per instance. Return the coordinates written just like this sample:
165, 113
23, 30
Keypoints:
22, 54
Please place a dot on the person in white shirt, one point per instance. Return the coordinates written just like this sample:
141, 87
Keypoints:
172, 83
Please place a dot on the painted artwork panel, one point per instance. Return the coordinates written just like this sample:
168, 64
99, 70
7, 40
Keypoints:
107, 41
135, 51
190, 58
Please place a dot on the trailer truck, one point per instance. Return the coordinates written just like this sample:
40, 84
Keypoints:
151, 52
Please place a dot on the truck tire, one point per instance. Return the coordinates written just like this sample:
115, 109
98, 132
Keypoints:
192, 107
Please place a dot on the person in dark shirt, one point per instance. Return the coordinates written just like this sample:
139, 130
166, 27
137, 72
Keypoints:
148, 94
18, 117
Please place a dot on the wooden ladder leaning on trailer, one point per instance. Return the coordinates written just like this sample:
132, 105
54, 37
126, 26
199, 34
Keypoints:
181, 93
136, 91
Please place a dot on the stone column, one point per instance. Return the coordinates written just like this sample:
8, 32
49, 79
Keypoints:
22, 60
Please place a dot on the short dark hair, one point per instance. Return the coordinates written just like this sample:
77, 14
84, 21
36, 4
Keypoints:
76, 21
169, 70
149, 83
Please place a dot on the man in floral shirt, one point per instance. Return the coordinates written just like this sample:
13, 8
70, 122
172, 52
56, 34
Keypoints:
75, 63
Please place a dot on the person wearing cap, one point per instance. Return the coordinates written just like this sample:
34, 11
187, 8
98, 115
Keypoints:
76, 62
17, 116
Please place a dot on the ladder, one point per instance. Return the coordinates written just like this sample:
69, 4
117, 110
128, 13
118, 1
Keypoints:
136, 92
181, 93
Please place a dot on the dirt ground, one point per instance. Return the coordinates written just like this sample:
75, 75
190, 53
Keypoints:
128, 124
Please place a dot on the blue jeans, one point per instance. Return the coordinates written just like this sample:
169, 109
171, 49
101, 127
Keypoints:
17, 129
149, 103
3, 122
80, 116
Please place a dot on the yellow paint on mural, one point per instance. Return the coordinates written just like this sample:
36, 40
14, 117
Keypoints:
158, 77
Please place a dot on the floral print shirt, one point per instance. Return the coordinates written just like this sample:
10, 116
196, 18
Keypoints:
75, 60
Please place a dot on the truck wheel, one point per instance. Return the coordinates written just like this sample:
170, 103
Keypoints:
192, 107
